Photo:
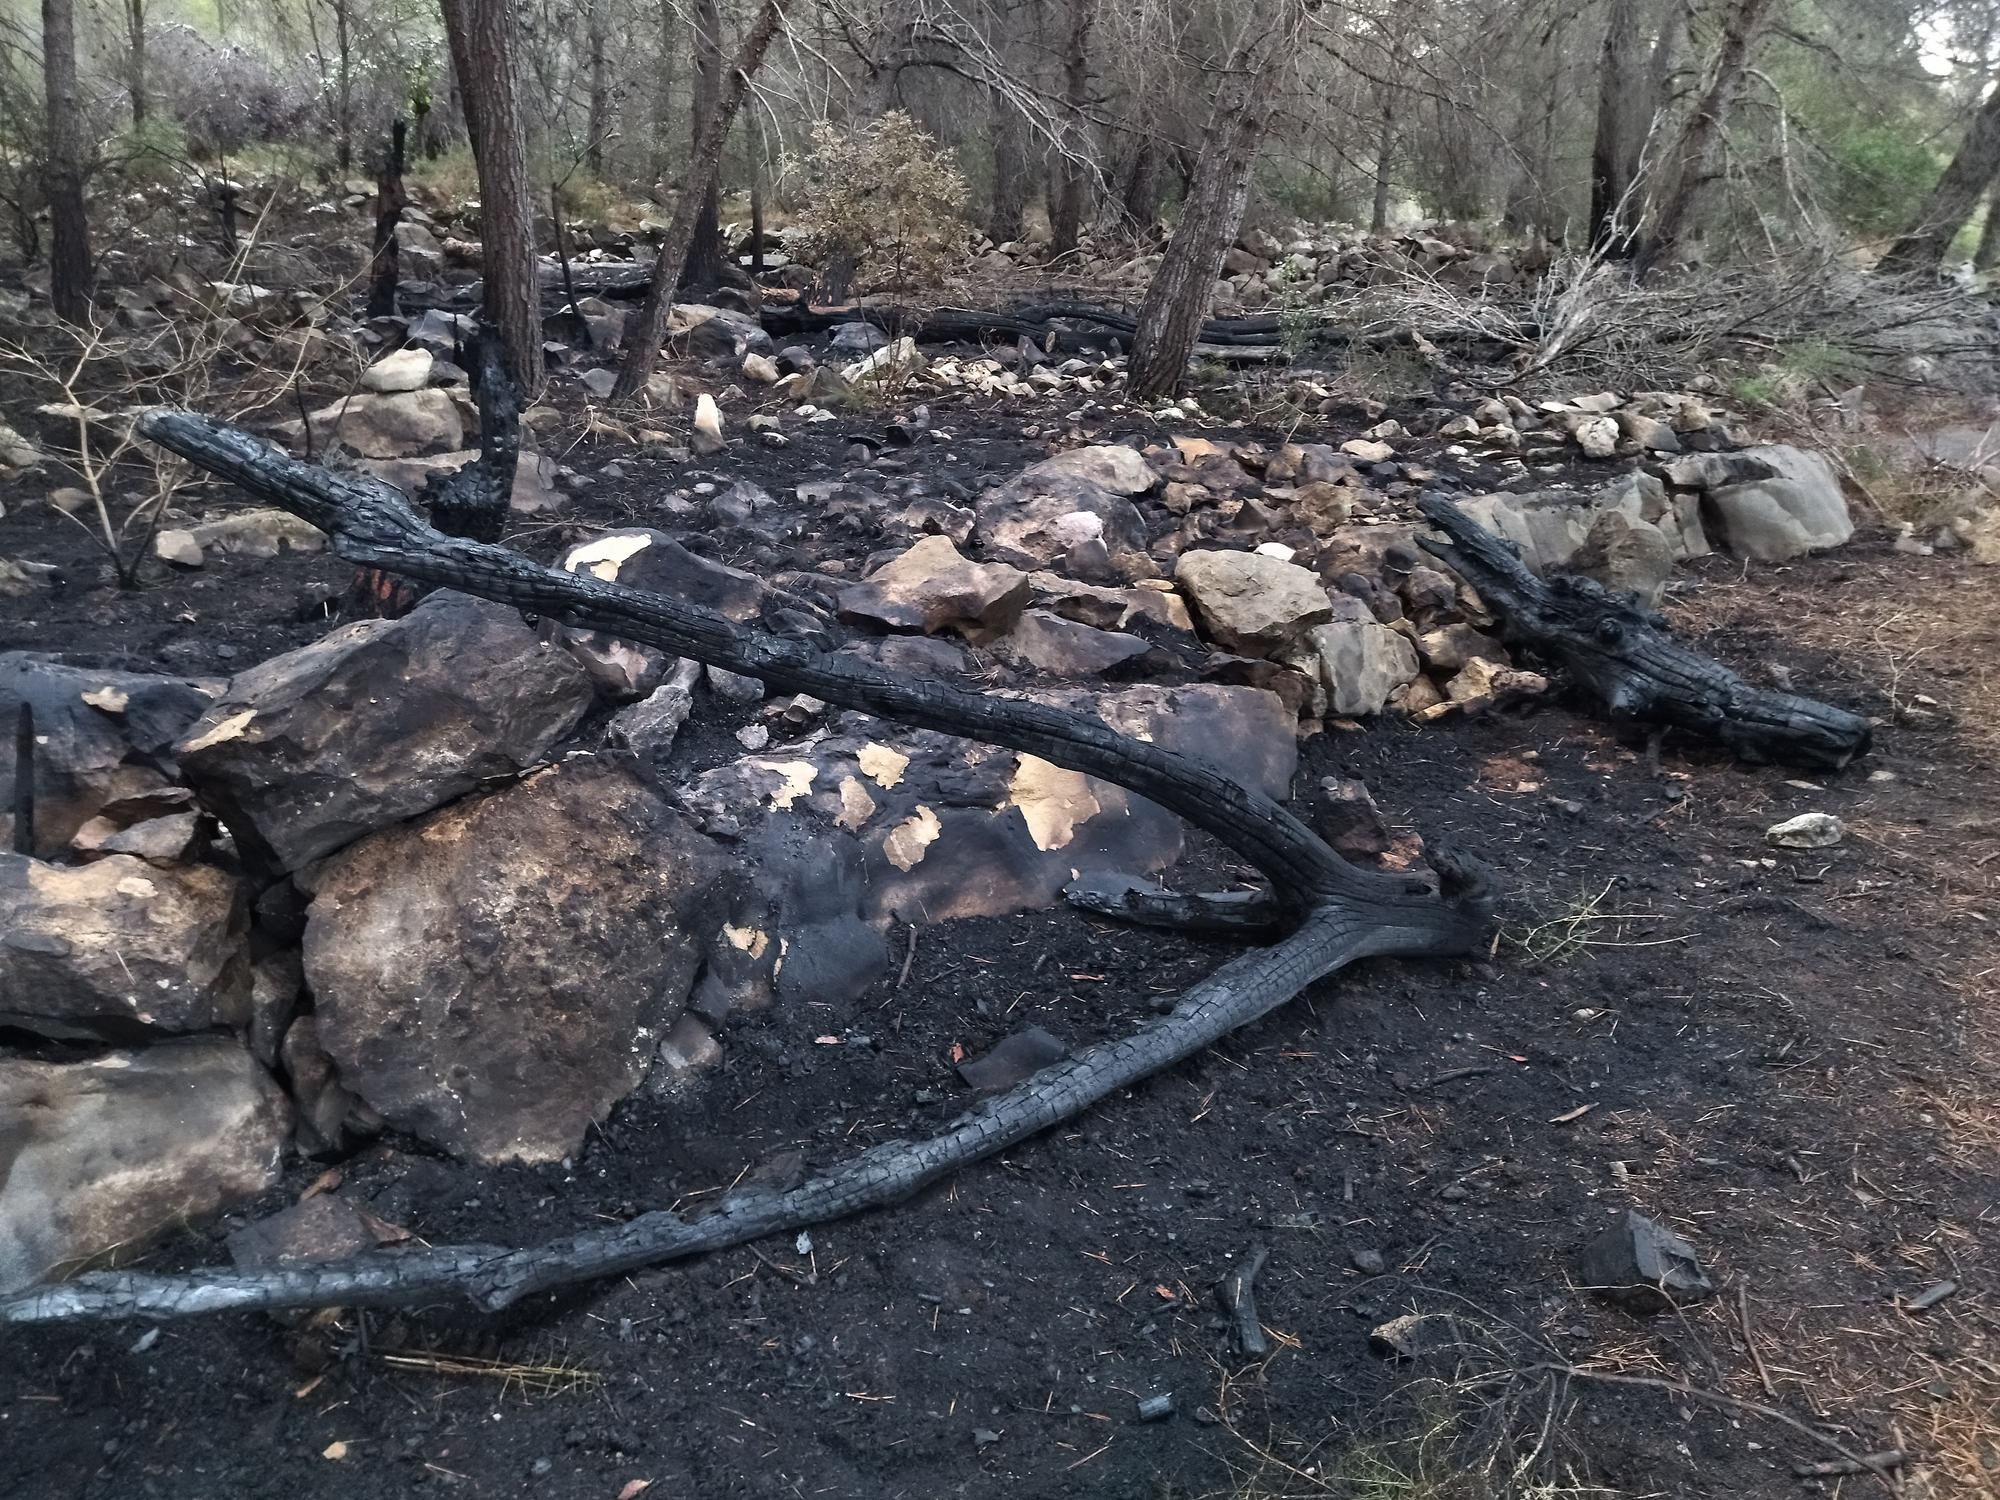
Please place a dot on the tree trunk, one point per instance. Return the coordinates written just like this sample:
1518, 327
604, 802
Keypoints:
69, 228
598, 125
1385, 148
1920, 249
1009, 198
1614, 150
135, 59
1176, 302
703, 263
1142, 190
663, 97
390, 200
1989, 235
1066, 214
1688, 165
695, 196
483, 43
343, 144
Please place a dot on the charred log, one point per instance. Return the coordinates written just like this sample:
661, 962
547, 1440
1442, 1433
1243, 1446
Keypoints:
1340, 913
1625, 658
472, 501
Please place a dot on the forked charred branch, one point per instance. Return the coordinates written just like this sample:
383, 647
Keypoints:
1339, 913
1625, 657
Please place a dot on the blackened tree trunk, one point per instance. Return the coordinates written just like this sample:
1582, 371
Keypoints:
1688, 166
597, 27
483, 39
699, 182
1176, 302
343, 125
69, 228
703, 263
390, 200
1920, 249
663, 94
135, 59
1066, 213
1009, 198
1615, 147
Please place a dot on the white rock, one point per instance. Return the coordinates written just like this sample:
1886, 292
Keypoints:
1813, 830
405, 370
707, 426
177, 547
760, 368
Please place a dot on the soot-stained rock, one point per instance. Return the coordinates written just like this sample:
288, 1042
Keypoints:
377, 722
872, 823
101, 739
118, 948
495, 977
1050, 509
103, 1155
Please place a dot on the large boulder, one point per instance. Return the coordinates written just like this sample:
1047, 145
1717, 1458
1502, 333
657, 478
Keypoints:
400, 425
119, 947
1798, 509
697, 329
377, 722
494, 978
97, 1157
871, 823
1626, 556
1250, 603
1549, 526
103, 741
1074, 503
931, 587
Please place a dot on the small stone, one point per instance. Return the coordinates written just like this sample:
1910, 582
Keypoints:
1813, 830
405, 370
753, 736
1156, 1408
760, 368
178, 547
1367, 1262
1642, 1266
1367, 452
707, 437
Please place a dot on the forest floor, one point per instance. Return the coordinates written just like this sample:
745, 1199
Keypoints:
1794, 1059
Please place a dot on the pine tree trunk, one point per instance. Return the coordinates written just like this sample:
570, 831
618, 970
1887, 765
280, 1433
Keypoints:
1614, 150
1066, 214
69, 228
702, 265
663, 98
483, 42
344, 97
650, 331
1687, 167
1143, 188
390, 200
1989, 235
135, 59
1385, 148
1009, 198
1920, 249
598, 124
1176, 304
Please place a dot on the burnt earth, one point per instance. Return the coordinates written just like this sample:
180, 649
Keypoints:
1790, 1062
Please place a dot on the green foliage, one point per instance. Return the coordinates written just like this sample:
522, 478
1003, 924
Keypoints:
885, 199
1882, 173
450, 178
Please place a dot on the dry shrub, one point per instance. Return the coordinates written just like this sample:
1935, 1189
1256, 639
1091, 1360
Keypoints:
884, 205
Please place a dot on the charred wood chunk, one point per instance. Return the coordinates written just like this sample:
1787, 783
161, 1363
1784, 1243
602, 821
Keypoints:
472, 501
1626, 658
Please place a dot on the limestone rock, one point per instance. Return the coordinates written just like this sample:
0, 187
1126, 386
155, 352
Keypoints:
177, 547
1799, 509
258, 533
1050, 509
1361, 663
1063, 648
704, 331
534, 492
1252, 604
118, 946
707, 436
403, 425
405, 370
1597, 436
103, 1155
1626, 556
931, 587
101, 738
377, 722
489, 991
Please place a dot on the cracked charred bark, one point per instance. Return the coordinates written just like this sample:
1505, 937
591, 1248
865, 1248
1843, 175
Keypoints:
1337, 914
1625, 658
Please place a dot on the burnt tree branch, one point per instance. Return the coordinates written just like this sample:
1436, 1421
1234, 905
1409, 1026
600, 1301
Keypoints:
1626, 659
1340, 913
